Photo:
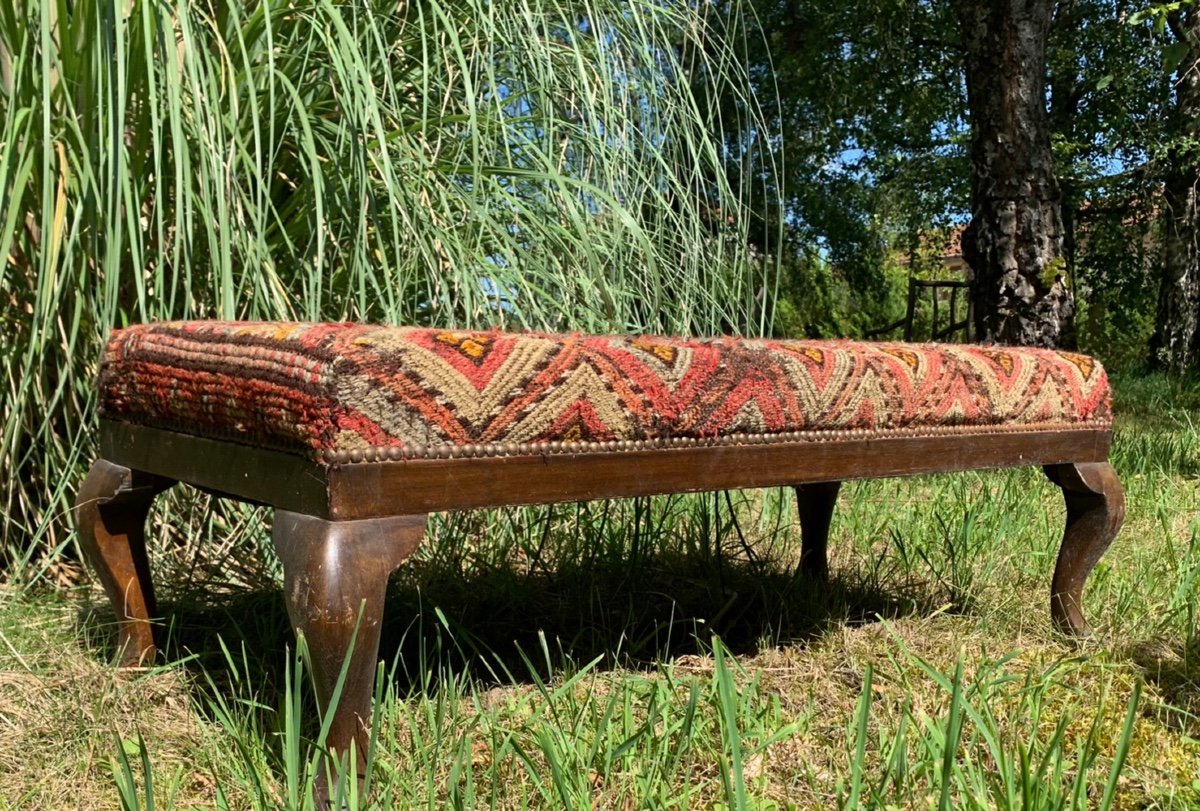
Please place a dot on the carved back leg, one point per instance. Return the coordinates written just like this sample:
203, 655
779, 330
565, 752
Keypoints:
816, 502
1095, 512
335, 579
110, 517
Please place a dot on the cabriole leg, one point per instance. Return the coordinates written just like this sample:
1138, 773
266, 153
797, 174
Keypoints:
335, 579
815, 502
1095, 511
110, 517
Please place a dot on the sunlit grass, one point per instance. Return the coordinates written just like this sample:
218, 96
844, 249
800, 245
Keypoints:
568, 657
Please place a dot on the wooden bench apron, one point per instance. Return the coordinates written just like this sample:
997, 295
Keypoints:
354, 433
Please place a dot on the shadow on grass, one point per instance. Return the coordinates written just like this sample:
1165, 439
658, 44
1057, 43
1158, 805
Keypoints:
1175, 670
440, 621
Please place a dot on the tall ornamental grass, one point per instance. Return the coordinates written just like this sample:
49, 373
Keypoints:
550, 164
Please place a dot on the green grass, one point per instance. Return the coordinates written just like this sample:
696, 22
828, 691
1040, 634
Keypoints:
661, 653
552, 165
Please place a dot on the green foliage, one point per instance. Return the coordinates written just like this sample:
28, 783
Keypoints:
818, 300
541, 165
872, 116
1108, 101
1116, 283
874, 122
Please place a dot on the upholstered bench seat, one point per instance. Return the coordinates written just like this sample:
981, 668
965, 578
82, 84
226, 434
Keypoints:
354, 433
375, 392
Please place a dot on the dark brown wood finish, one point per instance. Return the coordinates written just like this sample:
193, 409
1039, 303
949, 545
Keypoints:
420, 486
369, 490
110, 517
359, 491
816, 502
284, 480
1095, 511
335, 579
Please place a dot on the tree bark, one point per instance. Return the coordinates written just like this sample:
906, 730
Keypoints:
1176, 342
1013, 243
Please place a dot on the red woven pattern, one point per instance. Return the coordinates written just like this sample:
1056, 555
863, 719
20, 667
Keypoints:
320, 387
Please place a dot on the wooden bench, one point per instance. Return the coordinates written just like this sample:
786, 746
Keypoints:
355, 433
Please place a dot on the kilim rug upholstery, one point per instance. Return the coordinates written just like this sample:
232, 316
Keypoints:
395, 392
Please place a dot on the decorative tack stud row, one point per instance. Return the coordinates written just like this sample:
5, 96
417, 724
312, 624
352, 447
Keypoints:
558, 447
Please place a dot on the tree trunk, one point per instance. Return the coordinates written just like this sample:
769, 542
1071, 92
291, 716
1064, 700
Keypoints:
1176, 342
1014, 240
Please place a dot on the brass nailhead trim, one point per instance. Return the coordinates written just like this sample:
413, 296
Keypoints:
512, 449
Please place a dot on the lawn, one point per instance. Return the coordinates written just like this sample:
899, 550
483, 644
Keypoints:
661, 653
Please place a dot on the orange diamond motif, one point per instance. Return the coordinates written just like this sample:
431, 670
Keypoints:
1085, 364
905, 355
1001, 359
663, 352
810, 352
473, 346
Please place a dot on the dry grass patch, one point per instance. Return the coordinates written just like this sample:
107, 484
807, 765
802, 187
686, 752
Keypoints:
65, 712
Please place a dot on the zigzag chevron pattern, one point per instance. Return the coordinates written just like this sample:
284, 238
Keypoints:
312, 388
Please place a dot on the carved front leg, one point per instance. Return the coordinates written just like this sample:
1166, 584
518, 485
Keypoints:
110, 517
335, 579
1095, 512
815, 502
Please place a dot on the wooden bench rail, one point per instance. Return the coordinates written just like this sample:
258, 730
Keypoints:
372, 489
